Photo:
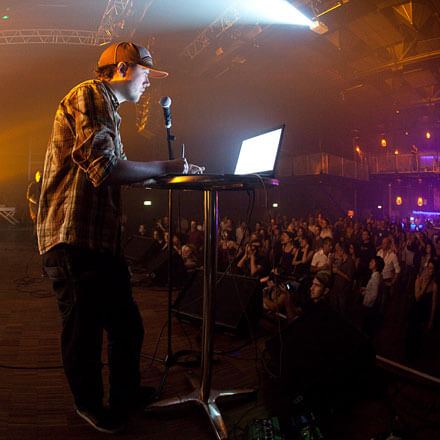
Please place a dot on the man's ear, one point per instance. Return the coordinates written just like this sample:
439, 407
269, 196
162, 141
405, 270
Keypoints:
326, 291
122, 69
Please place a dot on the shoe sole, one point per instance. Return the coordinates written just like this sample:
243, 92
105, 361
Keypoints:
98, 428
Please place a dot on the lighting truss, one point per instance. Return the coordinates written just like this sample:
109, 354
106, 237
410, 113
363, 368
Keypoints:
52, 36
117, 15
218, 27
113, 20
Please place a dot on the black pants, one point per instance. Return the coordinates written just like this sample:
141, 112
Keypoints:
94, 294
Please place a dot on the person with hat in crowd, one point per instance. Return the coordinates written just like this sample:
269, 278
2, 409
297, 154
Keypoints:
79, 230
317, 358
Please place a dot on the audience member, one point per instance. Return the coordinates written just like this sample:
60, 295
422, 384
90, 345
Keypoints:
322, 259
370, 301
343, 276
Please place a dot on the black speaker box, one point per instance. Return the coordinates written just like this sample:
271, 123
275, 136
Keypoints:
138, 248
157, 266
238, 302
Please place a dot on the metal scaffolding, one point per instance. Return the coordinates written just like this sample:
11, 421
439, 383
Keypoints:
119, 16
218, 27
114, 18
52, 36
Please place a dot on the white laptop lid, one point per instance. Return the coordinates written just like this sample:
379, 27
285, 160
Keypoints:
259, 154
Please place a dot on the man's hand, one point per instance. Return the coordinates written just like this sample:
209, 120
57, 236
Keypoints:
195, 169
181, 166
177, 166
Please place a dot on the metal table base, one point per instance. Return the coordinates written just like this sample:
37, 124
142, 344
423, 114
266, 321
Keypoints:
203, 394
209, 404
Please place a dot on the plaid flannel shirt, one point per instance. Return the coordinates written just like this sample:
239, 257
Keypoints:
77, 206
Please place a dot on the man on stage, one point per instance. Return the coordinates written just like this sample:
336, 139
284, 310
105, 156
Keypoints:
79, 227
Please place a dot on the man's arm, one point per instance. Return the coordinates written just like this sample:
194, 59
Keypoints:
243, 259
128, 171
255, 268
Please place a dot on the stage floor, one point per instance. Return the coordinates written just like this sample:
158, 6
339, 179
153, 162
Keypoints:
35, 402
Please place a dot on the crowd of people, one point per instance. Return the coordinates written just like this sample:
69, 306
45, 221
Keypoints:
367, 262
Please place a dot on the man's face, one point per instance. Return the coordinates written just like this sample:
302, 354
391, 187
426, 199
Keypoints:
284, 238
317, 290
255, 247
136, 81
327, 247
365, 236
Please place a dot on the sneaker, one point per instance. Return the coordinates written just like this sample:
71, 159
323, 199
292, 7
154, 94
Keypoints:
102, 419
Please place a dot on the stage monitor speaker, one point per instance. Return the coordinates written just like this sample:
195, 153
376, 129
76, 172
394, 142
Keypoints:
238, 302
157, 267
138, 247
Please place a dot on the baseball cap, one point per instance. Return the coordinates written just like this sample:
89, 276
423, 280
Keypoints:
130, 53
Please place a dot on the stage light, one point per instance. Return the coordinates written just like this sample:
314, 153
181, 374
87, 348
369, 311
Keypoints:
379, 206
420, 201
398, 200
274, 205
428, 135
5, 17
383, 142
396, 152
318, 27
147, 203
277, 11
358, 150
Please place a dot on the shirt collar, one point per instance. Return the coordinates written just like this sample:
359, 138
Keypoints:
114, 100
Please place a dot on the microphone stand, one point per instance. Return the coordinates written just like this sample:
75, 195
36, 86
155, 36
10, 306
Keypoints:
170, 138
171, 358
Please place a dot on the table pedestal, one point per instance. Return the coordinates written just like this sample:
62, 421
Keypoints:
209, 404
202, 393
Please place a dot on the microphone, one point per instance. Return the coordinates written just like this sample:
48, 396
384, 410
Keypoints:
165, 102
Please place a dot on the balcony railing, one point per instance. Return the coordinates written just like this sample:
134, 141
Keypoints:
404, 163
324, 163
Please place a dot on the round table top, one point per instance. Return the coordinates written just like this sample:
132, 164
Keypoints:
211, 182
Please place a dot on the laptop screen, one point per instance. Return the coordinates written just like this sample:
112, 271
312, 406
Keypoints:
259, 154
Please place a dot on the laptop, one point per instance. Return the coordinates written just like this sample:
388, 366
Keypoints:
259, 154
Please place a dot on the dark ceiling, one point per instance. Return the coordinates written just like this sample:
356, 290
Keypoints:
374, 72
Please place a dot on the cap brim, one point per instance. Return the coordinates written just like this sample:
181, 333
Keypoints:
154, 73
